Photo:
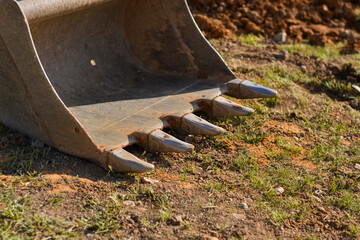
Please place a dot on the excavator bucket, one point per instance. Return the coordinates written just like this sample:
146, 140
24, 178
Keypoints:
91, 77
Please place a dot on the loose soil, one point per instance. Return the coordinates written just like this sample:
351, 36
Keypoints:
320, 22
205, 197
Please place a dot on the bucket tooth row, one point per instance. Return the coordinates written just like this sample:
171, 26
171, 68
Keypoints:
91, 77
192, 124
120, 160
222, 107
245, 89
159, 141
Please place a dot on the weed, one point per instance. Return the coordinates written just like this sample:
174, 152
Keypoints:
326, 53
150, 192
271, 102
250, 39
243, 162
253, 137
146, 224
214, 187
185, 226
165, 214
189, 169
347, 201
354, 230
55, 200
287, 145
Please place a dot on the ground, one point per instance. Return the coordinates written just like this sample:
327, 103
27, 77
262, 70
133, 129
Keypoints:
290, 171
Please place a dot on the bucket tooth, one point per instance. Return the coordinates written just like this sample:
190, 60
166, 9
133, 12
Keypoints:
192, 124
222, 107
245, 89
159, 141
122, 161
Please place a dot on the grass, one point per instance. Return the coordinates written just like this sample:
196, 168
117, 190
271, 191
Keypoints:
18, 221
249, 160
326, 53
251, 39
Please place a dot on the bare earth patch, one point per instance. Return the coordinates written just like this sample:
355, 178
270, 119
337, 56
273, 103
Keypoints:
288, 172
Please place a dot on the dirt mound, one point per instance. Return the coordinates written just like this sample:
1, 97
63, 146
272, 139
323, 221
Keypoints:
320, 21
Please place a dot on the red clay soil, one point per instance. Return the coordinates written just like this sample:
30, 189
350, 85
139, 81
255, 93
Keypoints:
320, 21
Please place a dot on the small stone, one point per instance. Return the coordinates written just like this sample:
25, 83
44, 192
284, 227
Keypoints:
303, 68
129, 203
282, 55
179, 218
89, 235
149, 180
38, 144
356, 88
280, 37
240, 217
296, 139
279, 190
357, 166
244, 206
354, 103
324, 8
220, 9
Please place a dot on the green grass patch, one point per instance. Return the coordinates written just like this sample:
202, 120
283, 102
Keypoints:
326, 53
251, 39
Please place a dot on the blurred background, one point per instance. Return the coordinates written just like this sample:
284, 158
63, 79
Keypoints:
319, 22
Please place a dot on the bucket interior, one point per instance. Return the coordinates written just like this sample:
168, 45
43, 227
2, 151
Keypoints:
119, 66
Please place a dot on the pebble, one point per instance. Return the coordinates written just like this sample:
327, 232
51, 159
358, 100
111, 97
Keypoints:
283, 54
279, 190
354, 103
357, 166
179, 218
38, 144
89, 235
356, 88
244, 206
296, 139
280, 37
149, 180
238, 216
220, 9
129, 203
303, 68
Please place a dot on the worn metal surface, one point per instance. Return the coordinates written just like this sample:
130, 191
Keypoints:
90, 77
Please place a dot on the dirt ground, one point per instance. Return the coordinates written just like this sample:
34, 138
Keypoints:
318, 21
288, 172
